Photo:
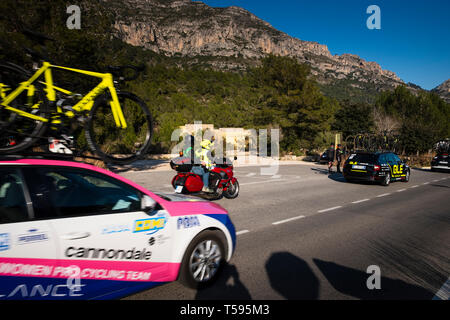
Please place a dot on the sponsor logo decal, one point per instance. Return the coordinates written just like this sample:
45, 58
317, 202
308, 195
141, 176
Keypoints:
4, 241
75, 273
111, 254
150, 225
188, 222
33, 235
396, 170
39, 290
115, 229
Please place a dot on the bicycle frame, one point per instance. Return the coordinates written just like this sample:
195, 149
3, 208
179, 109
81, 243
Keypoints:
85, 104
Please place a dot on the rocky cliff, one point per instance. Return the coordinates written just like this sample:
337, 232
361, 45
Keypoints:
191, 29
443, 90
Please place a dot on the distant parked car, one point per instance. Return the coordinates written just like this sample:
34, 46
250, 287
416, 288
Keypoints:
441, 162
324, 158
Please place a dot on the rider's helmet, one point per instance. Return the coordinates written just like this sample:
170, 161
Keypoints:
206, 144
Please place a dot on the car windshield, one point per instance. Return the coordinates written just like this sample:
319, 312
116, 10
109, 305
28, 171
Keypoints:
363, 157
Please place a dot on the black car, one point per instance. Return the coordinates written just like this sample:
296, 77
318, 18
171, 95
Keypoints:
382, 167
441, 162
324, 158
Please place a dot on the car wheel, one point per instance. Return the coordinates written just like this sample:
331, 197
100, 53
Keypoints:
387, 180
407, 176
203, 260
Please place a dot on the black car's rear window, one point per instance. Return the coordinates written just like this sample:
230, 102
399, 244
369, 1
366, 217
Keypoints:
364, 158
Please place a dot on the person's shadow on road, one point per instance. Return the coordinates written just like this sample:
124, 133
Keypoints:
291, 277
353, 282
228, 286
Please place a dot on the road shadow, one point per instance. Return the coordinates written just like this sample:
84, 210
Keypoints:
291, 277
320, 171
422, 169
138, 165
353, 282
228, 286
335, 176
439, 185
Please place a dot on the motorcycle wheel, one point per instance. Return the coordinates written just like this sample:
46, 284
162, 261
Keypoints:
232, 191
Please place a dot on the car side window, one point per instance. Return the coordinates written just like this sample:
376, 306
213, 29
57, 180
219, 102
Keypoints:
382, 159
64, 192
397, 158
391, 159
13, 207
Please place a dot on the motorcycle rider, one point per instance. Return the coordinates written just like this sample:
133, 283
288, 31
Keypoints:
206, 164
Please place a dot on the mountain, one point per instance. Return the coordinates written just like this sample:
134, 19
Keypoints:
443, 90
233, 38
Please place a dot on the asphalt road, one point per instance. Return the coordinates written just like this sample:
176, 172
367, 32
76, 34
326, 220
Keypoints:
304, 234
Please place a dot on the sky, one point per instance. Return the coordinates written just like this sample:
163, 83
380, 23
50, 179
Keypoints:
413, 40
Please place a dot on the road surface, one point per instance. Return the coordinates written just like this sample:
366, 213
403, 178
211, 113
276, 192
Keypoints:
304, 234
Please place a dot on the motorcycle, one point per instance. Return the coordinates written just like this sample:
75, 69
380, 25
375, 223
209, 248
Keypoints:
221, 179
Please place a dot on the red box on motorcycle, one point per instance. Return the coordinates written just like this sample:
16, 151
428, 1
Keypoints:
181, 164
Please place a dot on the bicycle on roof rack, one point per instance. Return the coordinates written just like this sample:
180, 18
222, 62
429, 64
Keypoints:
384, 141
118, 125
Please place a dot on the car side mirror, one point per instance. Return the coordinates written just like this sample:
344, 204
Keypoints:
148, 204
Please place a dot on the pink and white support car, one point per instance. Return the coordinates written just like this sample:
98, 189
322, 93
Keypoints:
71, 230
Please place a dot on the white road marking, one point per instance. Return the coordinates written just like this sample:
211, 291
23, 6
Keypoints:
251, 174
287, 220
259, 182
426, 183
383, 195
359, 201
242, 232
329, 209
436, 180
415, 186
401, 190
444, 292
276, 177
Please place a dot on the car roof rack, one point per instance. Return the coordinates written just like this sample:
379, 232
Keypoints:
48, 156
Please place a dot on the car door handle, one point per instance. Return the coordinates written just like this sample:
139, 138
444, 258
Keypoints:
75, 235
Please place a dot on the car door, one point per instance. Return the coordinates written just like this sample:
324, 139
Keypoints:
102, 232
401, 167
396, 166
27, 245
392, 163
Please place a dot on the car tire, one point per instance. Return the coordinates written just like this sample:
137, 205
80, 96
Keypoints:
407, 176
387, 180
199, 271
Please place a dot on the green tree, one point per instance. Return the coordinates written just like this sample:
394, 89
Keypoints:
353, 118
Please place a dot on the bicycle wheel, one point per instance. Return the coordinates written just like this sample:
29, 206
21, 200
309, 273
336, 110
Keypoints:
117, 145
18, 132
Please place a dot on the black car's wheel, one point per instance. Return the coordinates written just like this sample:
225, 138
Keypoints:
203, 259
387, 180
407, 176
